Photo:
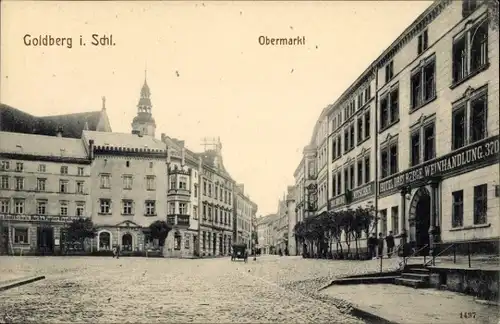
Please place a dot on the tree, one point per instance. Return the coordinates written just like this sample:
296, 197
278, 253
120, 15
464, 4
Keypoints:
159, 230
79, 230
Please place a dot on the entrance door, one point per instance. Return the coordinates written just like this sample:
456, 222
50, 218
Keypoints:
45, 240
214, 245
127, 242
4, 241
422, 223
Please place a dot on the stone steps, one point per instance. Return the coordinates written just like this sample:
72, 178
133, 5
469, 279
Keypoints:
416, 277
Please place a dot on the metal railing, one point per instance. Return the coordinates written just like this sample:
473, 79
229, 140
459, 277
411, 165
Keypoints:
394, 252
454, 246
406, 258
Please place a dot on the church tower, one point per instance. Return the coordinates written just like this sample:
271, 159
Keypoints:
144, 123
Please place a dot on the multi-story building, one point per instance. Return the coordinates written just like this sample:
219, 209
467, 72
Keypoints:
217, 204
244, 213
44, 185
183, 197
416, 135
292, 219
281, 226
265, 233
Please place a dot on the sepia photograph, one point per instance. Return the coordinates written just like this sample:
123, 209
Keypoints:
249, 161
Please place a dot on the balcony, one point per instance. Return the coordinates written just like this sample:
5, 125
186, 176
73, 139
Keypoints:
178, 220
178, 192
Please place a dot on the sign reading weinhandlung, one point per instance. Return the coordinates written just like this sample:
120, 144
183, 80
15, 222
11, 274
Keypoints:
38, 218
481, 152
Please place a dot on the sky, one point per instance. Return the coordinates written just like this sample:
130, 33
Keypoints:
207, 72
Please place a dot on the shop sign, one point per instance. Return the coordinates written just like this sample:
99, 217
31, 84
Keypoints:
38, 218
470, 157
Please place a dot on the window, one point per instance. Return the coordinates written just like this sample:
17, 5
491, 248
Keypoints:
229, 198
423, 40
221, 194
334, 184
183, 183
457, 212
334, 149
204, 187
367, 169
150, 183
19, 206
183, 209
367, 93
79, 187
360, 100
63, 208
360, 172
64, 169
63, 186
478, 108
150, 165
468, 7
4, 206
423, 85
127, 182
171, 208
105, 181
195, 212
41, 207
210, 190
80, 209
389, 160
351, 130
5, 182
395, 219
19, 166
173, 182
367, 124
127, 207
204, 212
216, 192
480, 204
20, 235
127, 164
105, 206
209, 213
346, 179
80, 171
150, 208
423, 144
42, 168
470, 51
41, 184
464, 133
389, 71
187, 239
19, 183
5, 165
339, 183
389, 108
195, 191
177, 241
346, 140
351, 177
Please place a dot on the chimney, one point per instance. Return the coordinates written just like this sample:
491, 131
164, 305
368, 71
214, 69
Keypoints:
91, 149
59, 131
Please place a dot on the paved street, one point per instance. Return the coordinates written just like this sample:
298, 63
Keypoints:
93, 289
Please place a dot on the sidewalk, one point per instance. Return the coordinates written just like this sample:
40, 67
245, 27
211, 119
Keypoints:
400, 304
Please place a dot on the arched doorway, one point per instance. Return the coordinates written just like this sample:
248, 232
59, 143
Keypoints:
127, 242
420, 219
104, 239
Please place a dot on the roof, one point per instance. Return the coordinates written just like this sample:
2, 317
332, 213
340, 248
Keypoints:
41, 145
124, 140
17, 121
213, 159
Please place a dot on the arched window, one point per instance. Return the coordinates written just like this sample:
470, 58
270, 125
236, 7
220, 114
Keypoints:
104, 241
177, 241
127, 242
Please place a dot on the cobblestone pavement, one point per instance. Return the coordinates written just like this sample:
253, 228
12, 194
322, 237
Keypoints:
104, 290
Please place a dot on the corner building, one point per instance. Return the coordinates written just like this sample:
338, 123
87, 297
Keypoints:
438, 128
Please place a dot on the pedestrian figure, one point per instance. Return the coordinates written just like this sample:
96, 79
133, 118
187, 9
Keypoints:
114, 251
389, 239
117, 251
372, 243
380, 245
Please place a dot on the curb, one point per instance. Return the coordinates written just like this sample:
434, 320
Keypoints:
370, 317
19, 282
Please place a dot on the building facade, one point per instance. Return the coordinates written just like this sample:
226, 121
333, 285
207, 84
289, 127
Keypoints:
244, 213
416, 135
265, 233
44, 185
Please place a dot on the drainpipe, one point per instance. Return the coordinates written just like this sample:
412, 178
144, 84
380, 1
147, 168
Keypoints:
376, 149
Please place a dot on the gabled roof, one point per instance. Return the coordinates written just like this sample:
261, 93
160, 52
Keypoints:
72, 125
